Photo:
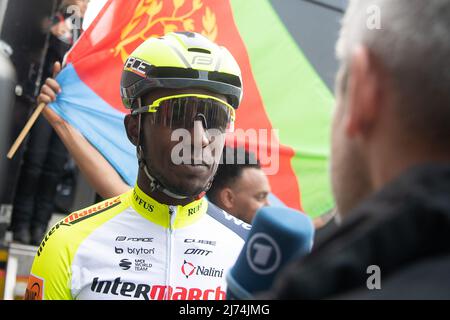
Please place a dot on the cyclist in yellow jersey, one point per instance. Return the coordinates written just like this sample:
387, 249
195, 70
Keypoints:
162, 239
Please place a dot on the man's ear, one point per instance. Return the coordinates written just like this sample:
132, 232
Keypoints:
364, 93
132, 128
226, 197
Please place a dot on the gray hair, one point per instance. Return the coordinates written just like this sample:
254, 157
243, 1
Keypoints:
413, 44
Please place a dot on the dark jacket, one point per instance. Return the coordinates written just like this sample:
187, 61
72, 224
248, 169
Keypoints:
404, 230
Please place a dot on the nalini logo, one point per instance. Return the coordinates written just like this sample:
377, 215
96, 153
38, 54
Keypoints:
263, 254
187, 269
125, 264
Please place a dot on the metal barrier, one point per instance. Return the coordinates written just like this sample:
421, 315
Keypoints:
20, 260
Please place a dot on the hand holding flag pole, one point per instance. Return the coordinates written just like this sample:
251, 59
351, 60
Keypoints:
46, 96
25, 130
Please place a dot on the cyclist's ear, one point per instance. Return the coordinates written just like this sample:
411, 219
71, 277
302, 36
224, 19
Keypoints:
132, 128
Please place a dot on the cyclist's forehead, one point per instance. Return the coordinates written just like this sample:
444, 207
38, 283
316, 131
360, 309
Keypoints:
148, 98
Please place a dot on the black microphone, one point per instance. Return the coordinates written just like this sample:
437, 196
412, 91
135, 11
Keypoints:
278, 235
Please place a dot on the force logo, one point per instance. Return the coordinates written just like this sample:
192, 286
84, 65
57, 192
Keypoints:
35, 288
155, 292
188, 269
134, 239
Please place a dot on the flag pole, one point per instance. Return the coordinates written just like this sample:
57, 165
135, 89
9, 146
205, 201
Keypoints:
25, 130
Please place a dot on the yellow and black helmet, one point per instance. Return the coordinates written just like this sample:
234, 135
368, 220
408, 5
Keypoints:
180, 60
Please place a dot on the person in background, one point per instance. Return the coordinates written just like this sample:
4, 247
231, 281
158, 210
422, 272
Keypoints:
45, 156
240, 186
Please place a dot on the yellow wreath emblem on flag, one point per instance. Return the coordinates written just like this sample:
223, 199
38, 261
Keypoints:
174, 22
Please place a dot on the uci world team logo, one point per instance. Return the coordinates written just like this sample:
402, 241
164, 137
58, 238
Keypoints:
263, 254
125, 264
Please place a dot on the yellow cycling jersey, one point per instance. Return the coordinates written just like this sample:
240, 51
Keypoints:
133, 247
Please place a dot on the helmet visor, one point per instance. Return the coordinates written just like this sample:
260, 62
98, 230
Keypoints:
181, 111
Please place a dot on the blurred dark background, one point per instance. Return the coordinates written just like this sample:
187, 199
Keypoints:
23, 30
24, 37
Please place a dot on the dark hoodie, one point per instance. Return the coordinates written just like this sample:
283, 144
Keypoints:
404, 230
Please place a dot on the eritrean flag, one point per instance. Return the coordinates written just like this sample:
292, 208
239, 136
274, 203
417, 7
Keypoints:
281, 89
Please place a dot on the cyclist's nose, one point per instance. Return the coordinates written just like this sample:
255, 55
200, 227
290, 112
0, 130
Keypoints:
200, 133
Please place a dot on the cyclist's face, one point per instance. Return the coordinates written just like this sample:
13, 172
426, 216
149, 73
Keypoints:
182, 159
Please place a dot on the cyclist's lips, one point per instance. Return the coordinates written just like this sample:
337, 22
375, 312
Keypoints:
197, 165
194, 162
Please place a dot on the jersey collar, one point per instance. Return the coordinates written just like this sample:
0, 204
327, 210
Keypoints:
159, 213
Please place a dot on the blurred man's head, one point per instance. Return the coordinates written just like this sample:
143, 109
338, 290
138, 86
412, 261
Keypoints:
393, 94
240, 186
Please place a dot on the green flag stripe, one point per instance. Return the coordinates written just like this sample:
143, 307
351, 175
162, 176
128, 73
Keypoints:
297, 101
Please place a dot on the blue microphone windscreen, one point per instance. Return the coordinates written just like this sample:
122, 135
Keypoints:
278, 235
